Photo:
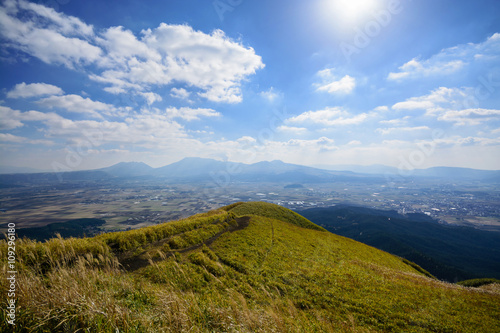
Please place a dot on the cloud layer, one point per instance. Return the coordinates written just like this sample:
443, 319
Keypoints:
450, 60
332, 84
212, 64
170, 91
23, 90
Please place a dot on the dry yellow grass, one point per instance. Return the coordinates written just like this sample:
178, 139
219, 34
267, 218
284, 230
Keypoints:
270, 276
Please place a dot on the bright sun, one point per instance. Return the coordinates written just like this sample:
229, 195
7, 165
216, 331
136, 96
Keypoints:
352, 11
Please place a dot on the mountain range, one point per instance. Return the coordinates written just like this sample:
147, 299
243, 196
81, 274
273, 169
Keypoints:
204, 169
195, 167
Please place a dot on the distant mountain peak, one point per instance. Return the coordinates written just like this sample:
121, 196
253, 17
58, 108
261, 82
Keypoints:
133, 163
198, 159
128, 169
187, 159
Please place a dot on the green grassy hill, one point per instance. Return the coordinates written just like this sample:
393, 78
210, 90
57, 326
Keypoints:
272, 211
449, 253
248, 267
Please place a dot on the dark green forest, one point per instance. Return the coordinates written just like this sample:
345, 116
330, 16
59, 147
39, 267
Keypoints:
71, 228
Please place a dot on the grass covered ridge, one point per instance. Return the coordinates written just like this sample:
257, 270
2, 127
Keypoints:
255, 274
272, 211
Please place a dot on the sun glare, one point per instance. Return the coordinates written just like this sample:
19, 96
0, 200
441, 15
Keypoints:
352, 11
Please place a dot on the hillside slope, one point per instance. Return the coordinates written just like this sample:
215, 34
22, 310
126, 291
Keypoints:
450, 253
272, 211
229, 270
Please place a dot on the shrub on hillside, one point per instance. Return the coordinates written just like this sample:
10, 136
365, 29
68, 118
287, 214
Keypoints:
477, 282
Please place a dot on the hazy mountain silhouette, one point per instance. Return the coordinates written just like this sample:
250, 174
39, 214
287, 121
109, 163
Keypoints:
205, 169
128, 169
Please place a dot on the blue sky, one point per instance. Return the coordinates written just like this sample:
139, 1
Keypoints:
410, 84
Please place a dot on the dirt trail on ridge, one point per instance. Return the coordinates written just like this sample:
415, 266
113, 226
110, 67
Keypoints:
133, 263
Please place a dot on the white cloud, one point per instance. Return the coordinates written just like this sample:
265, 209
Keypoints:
52, 37
437, 100
390, 130
249, 150
322, 142
190, 113
343, 86
23, 90
60, 22
459, 141
157, 135
247, 140
301, 147
153, 131
148, 130
463, 151
180, 93
292, 129
7, 137
221, 94
328, 117
470, 116
414, 68
450, 60
76, 103
151, 97
213, 63
271, 95
395, 122
382, 108
121, 44
333, 85
451, 105
414, 103
10, 118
